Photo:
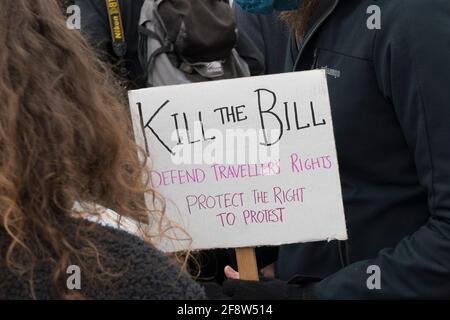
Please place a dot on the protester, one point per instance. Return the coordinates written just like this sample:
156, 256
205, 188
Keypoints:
388, 72
65, 144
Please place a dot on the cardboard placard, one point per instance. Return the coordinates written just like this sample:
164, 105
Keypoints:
244, 162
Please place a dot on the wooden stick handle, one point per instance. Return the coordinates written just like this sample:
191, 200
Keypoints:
247, 266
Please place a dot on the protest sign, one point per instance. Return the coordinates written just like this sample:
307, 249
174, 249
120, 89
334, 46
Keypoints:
244, 162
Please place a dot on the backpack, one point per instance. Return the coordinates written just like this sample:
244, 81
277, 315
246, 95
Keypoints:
184, 41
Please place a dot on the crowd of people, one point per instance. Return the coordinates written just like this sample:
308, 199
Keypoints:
65, 143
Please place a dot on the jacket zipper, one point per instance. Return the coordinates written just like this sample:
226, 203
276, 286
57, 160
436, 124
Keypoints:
342, 247
313, 31
343, 253
315, 60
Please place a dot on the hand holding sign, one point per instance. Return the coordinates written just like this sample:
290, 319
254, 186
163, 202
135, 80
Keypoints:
245, 162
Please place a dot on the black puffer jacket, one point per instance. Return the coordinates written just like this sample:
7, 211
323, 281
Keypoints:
145, 274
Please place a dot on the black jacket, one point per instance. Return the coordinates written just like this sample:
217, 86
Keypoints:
143, 272
95, 26
390, 101
268, 33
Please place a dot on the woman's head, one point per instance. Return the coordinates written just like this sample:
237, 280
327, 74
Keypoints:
64, 138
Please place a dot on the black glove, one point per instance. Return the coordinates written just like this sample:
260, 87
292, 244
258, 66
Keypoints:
264, 290
213, 291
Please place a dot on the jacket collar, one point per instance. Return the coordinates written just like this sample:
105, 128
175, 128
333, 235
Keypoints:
324, 10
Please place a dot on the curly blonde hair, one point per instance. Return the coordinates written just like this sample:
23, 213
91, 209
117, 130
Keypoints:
64, 139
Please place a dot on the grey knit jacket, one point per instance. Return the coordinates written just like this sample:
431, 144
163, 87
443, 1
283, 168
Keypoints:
145, 273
